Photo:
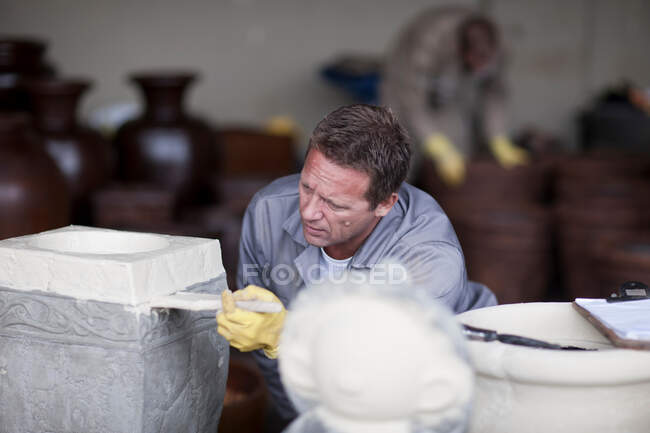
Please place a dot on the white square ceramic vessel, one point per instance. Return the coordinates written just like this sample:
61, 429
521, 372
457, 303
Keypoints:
107, 265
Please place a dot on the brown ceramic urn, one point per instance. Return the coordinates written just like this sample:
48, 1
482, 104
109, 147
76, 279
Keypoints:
20, 58
166, 146
82, 154
33, 192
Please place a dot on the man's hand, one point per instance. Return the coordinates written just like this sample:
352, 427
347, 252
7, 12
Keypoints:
507, 153
449, 162
247, 330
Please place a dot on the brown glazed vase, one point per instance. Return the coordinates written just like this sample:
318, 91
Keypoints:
506, 247
82, 154
166, 146
33, 192
20, 59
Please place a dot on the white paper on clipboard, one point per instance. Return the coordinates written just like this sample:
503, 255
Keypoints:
628, 319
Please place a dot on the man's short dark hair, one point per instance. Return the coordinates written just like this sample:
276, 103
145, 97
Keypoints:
369, 139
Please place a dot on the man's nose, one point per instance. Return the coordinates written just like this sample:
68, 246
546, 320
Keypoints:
312, 210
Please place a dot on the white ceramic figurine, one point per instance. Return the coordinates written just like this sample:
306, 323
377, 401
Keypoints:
374, 358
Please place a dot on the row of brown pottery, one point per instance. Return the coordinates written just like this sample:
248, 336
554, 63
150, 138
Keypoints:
250, 160
580, 226
223, 220
621, 259
20, 58
486, 180
33, 192
506, 247
236, 192
250, 152
133, 205
605, 174
603, 163
599, 195
166, 146
245, 401
607, 188
82, 154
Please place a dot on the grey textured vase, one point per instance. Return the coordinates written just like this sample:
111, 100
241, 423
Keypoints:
70, 365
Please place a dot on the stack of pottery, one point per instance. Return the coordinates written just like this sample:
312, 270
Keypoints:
502, 227
599, 197
507, 247
20, 58
250, 159
487, 181
165, 146
83, 156
622, 258
33, 192
222, 220
133, 205
248, 150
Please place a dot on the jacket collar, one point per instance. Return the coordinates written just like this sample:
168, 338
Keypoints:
309, 258
293, 226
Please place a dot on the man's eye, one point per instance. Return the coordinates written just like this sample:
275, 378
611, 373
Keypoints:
306, 188
335, 207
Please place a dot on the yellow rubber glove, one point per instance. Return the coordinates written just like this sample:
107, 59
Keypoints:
282, 125
449, 162
248, 330
507, 153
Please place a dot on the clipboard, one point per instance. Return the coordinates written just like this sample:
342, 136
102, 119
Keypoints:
608, 327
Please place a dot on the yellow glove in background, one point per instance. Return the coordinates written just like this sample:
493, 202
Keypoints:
248, 330
507, 153
283, 126
449, 162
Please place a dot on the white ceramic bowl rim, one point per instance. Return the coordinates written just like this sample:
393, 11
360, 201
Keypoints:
611, 366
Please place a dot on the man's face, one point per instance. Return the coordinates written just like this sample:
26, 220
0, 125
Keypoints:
333, 207
480, 50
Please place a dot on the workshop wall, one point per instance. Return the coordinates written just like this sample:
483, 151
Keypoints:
563, 52
260, 58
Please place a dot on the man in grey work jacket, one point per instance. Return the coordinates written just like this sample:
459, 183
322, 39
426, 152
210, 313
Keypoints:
348, 208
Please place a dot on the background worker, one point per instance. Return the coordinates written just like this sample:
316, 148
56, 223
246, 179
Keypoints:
444, 78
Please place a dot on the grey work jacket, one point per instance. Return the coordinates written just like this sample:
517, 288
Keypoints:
274, 254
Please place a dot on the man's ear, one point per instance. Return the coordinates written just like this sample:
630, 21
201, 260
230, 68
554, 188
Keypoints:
444, 389
385, 206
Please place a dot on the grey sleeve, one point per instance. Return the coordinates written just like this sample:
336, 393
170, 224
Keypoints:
439, 268
251, 261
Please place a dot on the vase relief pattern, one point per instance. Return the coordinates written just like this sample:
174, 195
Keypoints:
71, 366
